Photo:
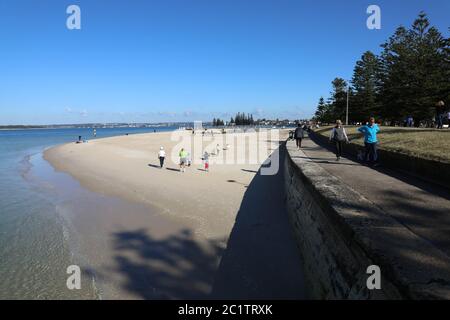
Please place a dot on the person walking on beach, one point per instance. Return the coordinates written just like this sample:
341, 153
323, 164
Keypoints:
299, 135
370, 131
206, 160
161, 156
183, 158
338, 136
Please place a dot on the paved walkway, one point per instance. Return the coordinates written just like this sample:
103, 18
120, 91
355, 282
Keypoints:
421, 207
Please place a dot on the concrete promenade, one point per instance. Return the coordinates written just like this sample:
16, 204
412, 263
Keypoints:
421, 207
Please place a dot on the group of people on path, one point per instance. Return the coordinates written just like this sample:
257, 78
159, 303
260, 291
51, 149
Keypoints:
339, 137
370, 130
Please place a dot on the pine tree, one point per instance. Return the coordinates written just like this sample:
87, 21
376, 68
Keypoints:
415, 71
366, 83
338, 100
321, 110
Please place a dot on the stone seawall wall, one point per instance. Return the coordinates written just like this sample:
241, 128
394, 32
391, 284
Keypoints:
340, 234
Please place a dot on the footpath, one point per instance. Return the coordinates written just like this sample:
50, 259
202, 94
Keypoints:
421, 207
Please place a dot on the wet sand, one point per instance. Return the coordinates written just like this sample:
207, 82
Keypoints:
163, 234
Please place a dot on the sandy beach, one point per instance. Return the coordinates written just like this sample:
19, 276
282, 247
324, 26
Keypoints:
170, 234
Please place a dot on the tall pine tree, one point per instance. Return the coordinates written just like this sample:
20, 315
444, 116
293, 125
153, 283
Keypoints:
415, 71
338, 99
366, 83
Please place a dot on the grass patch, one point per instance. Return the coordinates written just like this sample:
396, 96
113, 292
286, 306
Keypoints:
424, 143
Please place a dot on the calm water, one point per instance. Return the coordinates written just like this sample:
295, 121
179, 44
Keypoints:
34, 246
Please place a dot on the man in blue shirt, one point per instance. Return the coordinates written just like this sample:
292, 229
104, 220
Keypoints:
370, 131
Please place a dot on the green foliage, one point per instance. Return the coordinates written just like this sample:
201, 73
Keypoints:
324, 112
242, 119
366, 83
338, 99
218, 122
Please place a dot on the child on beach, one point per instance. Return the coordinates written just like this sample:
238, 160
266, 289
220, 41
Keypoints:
206, 160
183, 158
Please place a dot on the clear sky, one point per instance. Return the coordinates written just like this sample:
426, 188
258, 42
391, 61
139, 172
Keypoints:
184, 60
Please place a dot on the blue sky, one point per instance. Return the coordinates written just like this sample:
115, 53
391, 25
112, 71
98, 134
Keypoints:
184, 60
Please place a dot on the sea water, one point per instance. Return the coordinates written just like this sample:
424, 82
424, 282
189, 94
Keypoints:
36, 245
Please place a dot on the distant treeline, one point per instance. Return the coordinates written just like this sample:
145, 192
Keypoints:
408, 78
22, 127
98, 125
241, 119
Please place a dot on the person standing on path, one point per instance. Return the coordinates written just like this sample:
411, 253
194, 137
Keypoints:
338, 136
370, 131
299, 135
161, 156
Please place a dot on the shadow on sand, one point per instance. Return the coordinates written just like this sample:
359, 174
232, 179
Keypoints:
261, 260
176, 267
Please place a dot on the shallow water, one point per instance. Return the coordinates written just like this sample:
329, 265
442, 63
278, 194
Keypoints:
37, 241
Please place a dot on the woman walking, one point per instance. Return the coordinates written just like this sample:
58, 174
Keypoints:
370, 131
338, 136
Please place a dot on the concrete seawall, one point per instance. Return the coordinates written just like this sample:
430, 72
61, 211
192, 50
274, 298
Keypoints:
340, 234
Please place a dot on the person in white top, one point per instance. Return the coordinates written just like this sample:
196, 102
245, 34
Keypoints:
162, 156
